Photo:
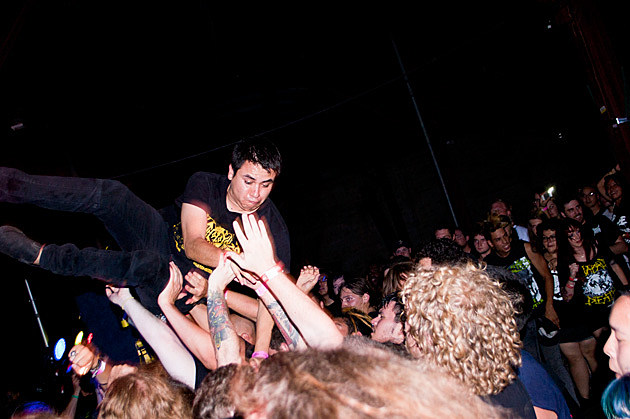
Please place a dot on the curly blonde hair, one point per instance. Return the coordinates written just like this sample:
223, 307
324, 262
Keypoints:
460, 319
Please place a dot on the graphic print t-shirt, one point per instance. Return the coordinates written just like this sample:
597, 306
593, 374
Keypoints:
208, 191
518, 263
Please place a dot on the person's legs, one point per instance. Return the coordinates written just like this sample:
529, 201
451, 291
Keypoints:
578, 367
132, 223
555, 365
145, 271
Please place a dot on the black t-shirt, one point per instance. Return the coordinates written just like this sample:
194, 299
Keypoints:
209, 191
597, 279
518, 263
605, 231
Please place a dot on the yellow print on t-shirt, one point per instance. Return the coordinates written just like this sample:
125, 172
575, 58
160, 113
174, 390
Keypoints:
215, 234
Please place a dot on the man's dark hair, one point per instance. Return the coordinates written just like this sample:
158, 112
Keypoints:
259, 151
442, 251
399, 308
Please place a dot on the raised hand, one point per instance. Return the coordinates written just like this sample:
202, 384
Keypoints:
197, 286
258, 252
309, 275
173, 289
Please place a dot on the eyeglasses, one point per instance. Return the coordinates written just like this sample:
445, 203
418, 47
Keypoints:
572, 233
548, 238
585, 194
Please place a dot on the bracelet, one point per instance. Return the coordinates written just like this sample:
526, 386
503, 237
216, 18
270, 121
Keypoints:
260, 354
100, 367
271, 273
573, 279
261, 290
570, 285
75, 396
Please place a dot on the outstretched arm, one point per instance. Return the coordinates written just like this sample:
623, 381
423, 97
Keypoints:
169, 349
194, 337
224, 336
541, 266
315, 326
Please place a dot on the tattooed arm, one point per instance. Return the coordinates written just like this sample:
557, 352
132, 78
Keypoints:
315, 326
291, 335
224, 337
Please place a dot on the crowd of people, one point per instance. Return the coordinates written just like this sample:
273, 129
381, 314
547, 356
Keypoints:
504, 320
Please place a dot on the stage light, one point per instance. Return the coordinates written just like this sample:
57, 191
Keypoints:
60, 349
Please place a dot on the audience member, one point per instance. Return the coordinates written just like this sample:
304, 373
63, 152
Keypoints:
461, 320
462, 240
359, 293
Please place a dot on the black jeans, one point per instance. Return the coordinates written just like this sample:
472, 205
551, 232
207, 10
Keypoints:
138, 228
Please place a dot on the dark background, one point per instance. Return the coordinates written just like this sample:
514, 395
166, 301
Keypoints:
148, 92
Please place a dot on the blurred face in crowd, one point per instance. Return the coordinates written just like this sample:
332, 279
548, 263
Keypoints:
403, 251
443, 233
322, 285
337, 283
350, 299
575, 237
618, 344
589, 197
499, 208
573, 210
460, 238
342, 326
533, 224
500, 241
613, 189
549, 241
386, 328
481, 244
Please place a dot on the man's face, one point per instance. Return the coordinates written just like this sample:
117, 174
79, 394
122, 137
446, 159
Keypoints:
573, 210
588, 196
613, 189
460, 238
499, 208
618, 344
481, 244
249, 187
500, 242
403, 251
443, 233
386, 328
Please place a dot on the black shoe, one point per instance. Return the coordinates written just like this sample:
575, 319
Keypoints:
14, 243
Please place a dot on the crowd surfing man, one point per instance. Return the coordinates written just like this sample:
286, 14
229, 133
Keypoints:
148, 239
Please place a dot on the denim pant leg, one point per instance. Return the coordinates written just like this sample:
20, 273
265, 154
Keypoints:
132, 223
144, 270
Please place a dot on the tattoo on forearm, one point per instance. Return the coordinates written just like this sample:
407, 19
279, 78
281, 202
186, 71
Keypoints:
289, 332
218, 318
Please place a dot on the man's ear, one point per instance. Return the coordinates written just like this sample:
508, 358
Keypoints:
230, 172
366, 297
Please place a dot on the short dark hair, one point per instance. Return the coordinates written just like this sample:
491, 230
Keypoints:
442, 251
399, 308
260, 151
